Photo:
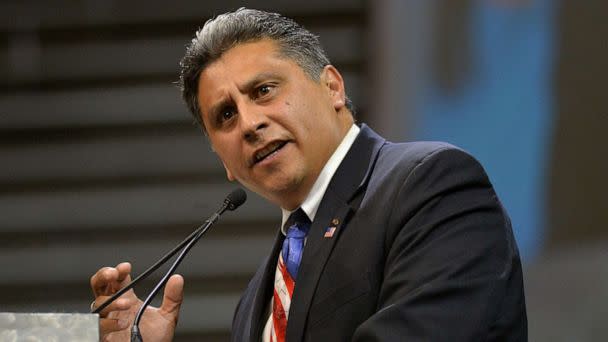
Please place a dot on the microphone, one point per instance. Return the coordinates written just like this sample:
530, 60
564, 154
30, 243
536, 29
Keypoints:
234, 200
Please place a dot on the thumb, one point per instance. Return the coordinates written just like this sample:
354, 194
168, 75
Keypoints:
173, 295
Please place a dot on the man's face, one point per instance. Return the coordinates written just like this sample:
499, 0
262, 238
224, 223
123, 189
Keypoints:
272, 126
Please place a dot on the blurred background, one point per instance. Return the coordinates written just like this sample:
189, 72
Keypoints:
100, 162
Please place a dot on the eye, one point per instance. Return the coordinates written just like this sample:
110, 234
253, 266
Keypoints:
263, 91
226, 114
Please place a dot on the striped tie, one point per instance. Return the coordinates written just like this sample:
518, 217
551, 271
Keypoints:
287, 271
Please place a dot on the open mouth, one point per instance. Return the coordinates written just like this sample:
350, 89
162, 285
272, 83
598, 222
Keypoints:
268, 150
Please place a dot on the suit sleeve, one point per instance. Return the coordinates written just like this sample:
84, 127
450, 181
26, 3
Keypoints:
452, 270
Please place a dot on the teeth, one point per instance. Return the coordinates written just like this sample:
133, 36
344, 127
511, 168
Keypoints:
267, 151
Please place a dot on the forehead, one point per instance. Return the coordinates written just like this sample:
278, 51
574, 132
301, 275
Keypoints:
239, 65
245, 57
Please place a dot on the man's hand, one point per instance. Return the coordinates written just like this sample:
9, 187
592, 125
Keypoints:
157, 324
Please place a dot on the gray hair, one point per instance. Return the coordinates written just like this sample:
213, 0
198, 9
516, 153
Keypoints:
246, 25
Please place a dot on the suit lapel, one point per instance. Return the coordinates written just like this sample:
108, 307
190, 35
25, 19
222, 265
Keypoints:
338, 204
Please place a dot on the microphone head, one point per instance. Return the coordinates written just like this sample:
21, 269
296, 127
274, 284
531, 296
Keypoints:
235, 198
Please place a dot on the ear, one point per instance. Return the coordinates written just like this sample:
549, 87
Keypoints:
229, 174
332, 79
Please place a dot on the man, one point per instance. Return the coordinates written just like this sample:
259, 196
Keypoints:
390, 242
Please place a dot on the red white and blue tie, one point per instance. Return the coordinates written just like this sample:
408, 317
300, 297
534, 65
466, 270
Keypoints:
287, 271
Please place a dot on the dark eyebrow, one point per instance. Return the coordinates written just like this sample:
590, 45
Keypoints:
244, 88
257, 79
220, 105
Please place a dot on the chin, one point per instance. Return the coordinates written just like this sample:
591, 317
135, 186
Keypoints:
282, 193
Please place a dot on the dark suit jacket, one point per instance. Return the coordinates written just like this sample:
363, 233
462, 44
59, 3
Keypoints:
423, 251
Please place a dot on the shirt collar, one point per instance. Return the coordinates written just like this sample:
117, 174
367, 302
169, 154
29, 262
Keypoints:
313, 200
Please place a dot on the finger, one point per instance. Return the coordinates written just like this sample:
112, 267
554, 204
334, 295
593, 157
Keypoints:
120, 304
101, 279
124, 279
124, 272
110, 279
173, 296
108, 325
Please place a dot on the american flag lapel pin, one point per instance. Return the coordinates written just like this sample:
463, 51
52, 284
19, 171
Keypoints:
329, 231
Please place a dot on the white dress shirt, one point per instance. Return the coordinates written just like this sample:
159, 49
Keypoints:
313, 200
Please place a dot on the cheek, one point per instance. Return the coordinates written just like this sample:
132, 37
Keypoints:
226, 155
296, 113
230, 157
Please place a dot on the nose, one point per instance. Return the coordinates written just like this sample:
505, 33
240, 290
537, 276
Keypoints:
253, 122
